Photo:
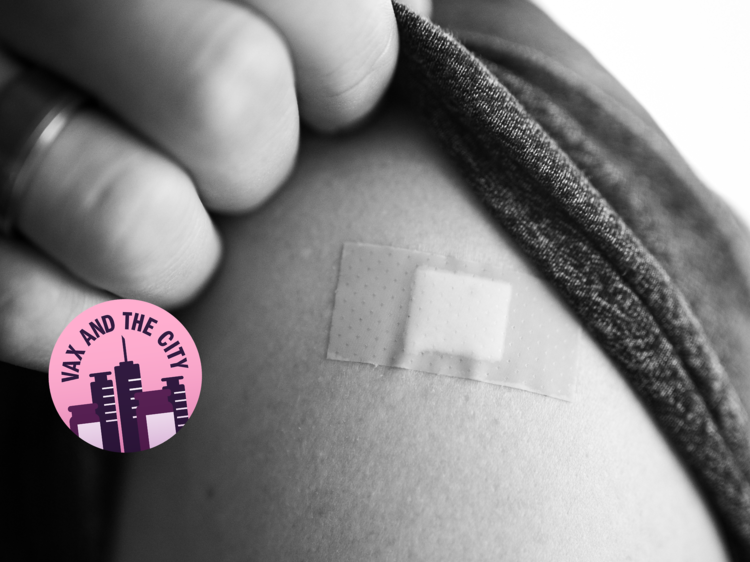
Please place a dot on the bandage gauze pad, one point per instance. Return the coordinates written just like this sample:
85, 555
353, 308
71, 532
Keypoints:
440, 315
457, 314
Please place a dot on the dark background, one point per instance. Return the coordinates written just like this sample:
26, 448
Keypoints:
60, 493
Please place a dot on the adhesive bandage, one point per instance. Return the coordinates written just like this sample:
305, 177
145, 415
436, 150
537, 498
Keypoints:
440, 315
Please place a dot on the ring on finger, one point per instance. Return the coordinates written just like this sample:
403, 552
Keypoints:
34, 109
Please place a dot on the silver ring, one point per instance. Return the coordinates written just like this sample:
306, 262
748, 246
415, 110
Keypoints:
34, 109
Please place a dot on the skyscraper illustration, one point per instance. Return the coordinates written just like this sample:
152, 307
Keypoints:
178, 401
103, 395
128, 380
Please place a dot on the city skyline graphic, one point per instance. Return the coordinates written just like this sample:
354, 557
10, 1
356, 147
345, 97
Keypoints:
146, 418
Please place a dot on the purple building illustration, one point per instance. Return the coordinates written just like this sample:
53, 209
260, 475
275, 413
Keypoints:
85, 423
155, 417
128, 380
103, 395
178, 401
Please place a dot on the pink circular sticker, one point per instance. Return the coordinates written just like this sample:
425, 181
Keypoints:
125, 376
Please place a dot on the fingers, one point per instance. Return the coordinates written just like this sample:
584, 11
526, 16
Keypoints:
116, 213
122, 218
344, 52
119, 215
37, 301
210, 82
112, 211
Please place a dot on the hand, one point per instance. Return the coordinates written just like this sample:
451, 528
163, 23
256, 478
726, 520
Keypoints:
200, 105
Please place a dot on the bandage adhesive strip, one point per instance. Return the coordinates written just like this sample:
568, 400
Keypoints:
440, 315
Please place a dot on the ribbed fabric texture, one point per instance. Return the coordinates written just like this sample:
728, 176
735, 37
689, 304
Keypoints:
560, 167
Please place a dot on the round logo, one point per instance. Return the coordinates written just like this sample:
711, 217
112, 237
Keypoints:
125, 376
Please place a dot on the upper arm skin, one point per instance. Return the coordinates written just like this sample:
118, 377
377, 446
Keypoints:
290, 456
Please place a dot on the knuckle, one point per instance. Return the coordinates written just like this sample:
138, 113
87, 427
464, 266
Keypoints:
237, 79
151, 224
353, 89
240, 106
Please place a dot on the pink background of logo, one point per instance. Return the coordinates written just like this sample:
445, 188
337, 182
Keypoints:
105, 353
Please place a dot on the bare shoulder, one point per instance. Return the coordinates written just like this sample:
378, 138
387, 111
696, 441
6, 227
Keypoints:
291, 456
